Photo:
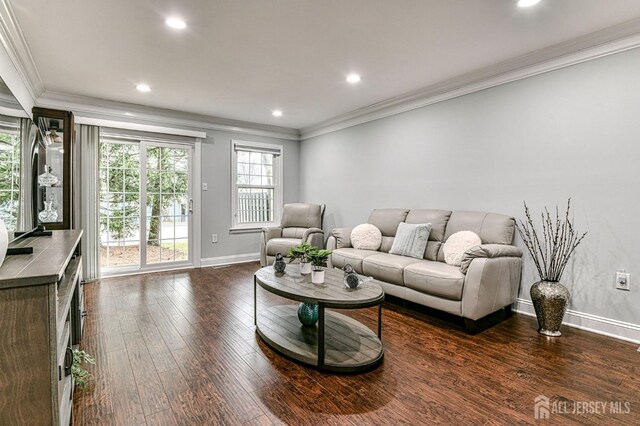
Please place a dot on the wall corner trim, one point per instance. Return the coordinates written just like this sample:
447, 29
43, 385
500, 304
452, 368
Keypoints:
13, 41
588, 322
229, 260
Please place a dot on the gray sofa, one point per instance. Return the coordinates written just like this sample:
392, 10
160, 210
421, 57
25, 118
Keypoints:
301, 222
487, 281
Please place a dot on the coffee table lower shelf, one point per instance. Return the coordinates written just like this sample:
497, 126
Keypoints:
349, 345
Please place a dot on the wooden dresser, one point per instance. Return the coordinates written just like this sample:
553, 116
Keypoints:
41, 316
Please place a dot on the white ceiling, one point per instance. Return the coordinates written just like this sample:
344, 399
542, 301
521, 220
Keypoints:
240, 59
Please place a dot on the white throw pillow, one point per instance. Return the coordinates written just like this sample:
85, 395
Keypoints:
366, 237
457, 244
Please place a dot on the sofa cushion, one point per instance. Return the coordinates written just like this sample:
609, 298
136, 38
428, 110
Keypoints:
387, 220
438, 220
435, 278
352, 256
387, 267
366, 237
492, 228
293, 232
281, 245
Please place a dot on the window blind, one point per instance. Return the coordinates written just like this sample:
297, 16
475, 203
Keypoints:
250, 147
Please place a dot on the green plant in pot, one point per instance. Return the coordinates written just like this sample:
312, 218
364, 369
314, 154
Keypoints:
301, 254
318, 259
551, 245
80, 375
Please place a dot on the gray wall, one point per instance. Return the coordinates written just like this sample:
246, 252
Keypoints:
216, 201
574, 132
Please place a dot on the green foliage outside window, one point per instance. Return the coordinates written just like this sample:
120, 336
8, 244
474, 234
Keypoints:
9, 179
120, 181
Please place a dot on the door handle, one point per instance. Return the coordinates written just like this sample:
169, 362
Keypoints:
191, 205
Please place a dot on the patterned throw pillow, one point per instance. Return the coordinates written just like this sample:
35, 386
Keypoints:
411, 239
366, 237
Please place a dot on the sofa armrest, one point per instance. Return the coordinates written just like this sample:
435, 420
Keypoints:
491, 284
267, 234
342, 237
488, 251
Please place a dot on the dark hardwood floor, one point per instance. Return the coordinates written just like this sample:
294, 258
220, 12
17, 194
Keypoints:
180, 348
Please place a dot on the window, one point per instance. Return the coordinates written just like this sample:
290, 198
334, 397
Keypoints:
9, 173
256, 170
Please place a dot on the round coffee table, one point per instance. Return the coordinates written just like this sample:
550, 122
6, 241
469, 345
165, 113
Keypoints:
337, 342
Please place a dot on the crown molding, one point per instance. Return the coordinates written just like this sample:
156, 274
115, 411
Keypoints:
13, 41
95, 108
588, 47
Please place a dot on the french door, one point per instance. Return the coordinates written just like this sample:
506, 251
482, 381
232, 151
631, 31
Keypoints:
146, 206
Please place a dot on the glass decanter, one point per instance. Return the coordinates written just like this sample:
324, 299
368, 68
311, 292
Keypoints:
48, 214
47, 178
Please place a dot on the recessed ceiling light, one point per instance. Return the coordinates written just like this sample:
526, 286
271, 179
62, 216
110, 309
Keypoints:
176, 23
527, 3
277, 113
353, 78
142, 87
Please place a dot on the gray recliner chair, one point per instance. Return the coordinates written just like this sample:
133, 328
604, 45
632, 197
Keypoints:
301, 222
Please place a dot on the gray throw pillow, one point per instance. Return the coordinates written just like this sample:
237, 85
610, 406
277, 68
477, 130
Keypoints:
411, 239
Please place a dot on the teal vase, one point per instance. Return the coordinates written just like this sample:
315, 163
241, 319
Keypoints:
308, 314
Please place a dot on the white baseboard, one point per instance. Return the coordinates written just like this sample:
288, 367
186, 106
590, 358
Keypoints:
593, 323
229, 260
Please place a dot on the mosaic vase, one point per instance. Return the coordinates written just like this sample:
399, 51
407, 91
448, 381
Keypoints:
308, 314
550, 300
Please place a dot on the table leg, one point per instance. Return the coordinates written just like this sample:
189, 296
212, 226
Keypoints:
380, 321
320, 336
255, 302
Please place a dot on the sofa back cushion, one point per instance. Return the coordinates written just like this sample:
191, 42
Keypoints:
492, 228
438, 220
387, 221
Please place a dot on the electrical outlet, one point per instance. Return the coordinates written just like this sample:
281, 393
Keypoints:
214, 238
622, 280
204, 186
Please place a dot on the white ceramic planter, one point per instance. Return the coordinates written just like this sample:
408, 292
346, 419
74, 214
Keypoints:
317, 277
4, 241
305, 268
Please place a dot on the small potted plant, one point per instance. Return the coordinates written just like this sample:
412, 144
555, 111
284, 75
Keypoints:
318, 259
301, 254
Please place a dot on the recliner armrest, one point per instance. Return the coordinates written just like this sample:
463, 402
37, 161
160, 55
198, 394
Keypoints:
342, 236
270, 232
488, 251
309, 232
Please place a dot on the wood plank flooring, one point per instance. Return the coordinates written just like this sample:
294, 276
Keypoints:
179, 348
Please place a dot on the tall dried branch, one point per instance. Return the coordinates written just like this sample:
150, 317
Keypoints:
552, 252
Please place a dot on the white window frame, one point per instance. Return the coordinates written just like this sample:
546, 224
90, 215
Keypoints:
278, 172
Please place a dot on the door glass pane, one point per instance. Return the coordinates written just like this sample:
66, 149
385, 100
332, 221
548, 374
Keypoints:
167, 204
119, 205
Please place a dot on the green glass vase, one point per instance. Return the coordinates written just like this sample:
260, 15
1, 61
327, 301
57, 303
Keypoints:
308, 314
